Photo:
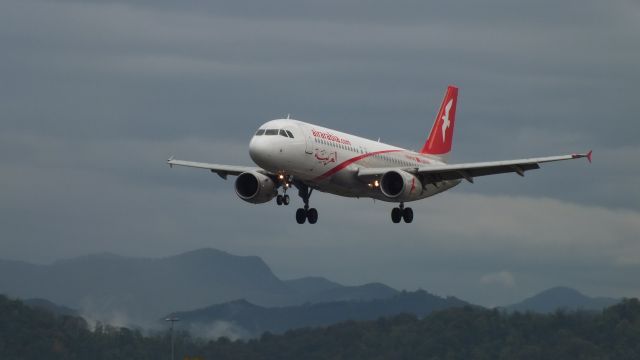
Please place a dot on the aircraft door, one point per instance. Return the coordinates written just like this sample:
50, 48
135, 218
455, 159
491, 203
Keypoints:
309, 140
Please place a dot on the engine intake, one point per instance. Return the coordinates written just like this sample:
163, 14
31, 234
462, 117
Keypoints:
255, 188
400, 185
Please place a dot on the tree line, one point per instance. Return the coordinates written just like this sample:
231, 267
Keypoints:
457, 333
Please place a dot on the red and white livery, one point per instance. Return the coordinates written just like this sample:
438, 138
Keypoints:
310, 157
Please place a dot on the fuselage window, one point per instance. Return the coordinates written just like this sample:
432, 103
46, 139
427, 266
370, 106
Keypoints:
290, 134
271, 132
260, 132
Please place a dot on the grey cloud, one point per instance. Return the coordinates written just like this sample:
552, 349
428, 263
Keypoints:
96, 95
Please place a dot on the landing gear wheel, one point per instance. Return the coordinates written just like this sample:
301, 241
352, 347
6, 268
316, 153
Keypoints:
407, 215
312, 215
285, 199
305, 213
396, 215
301, 216
279, 200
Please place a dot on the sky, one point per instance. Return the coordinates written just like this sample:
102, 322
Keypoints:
96, 95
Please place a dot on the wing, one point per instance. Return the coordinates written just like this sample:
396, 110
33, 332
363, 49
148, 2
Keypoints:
470, 170
221, 170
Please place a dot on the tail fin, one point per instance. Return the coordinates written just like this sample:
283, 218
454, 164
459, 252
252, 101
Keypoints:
441, 136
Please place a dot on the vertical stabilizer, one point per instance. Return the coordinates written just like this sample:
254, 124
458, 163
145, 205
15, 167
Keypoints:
441, 136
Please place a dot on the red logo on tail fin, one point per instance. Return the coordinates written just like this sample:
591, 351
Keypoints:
440, 139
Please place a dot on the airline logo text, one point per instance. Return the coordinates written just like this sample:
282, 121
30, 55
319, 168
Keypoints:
330, 137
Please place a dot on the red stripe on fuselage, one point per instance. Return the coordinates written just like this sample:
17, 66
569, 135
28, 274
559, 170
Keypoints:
346, 163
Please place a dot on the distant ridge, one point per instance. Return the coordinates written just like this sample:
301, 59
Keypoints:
244, 319
136, 291
561, 297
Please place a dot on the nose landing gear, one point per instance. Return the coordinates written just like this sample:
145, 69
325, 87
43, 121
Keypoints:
401, 213
284, 198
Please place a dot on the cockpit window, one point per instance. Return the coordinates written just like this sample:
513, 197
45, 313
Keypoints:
271, 132
260, 132
290, 133
283, 133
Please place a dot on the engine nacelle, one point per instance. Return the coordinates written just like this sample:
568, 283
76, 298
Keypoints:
255, 188
400, 185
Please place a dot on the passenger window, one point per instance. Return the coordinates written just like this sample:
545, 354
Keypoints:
290, 134
260, 132
283, 133
271, 132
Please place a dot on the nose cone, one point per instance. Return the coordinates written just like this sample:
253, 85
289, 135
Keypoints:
260, 151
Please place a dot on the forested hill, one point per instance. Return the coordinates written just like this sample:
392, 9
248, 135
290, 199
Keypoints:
459, 333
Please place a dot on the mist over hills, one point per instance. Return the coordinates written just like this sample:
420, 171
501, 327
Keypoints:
128, 290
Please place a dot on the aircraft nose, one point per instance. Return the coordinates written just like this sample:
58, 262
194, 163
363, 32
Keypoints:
259, 150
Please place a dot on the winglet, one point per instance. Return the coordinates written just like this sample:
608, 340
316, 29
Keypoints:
587, 155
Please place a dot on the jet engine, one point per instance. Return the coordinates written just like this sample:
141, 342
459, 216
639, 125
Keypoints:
400, 185
255, 188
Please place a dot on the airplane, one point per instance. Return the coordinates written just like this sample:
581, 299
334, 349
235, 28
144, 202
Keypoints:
310, 157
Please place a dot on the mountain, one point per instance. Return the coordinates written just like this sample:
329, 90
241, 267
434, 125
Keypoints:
241, 319
127, 290
561, 298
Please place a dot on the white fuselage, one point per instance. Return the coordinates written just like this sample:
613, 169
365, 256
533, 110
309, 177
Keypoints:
329, 160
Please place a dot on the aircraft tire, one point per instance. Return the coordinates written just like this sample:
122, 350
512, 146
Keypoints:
396, 215
285, 199
301, 216
312, 215
279, 200
407, 215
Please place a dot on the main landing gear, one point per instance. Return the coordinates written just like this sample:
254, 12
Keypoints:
302, 214
401, 213
306, 213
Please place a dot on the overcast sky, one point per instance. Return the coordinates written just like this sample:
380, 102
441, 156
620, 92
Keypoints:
95, 95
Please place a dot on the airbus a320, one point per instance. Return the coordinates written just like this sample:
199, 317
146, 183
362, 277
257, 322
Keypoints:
309, 157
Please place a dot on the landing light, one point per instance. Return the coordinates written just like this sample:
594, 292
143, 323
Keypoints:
281, 177
376, 183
